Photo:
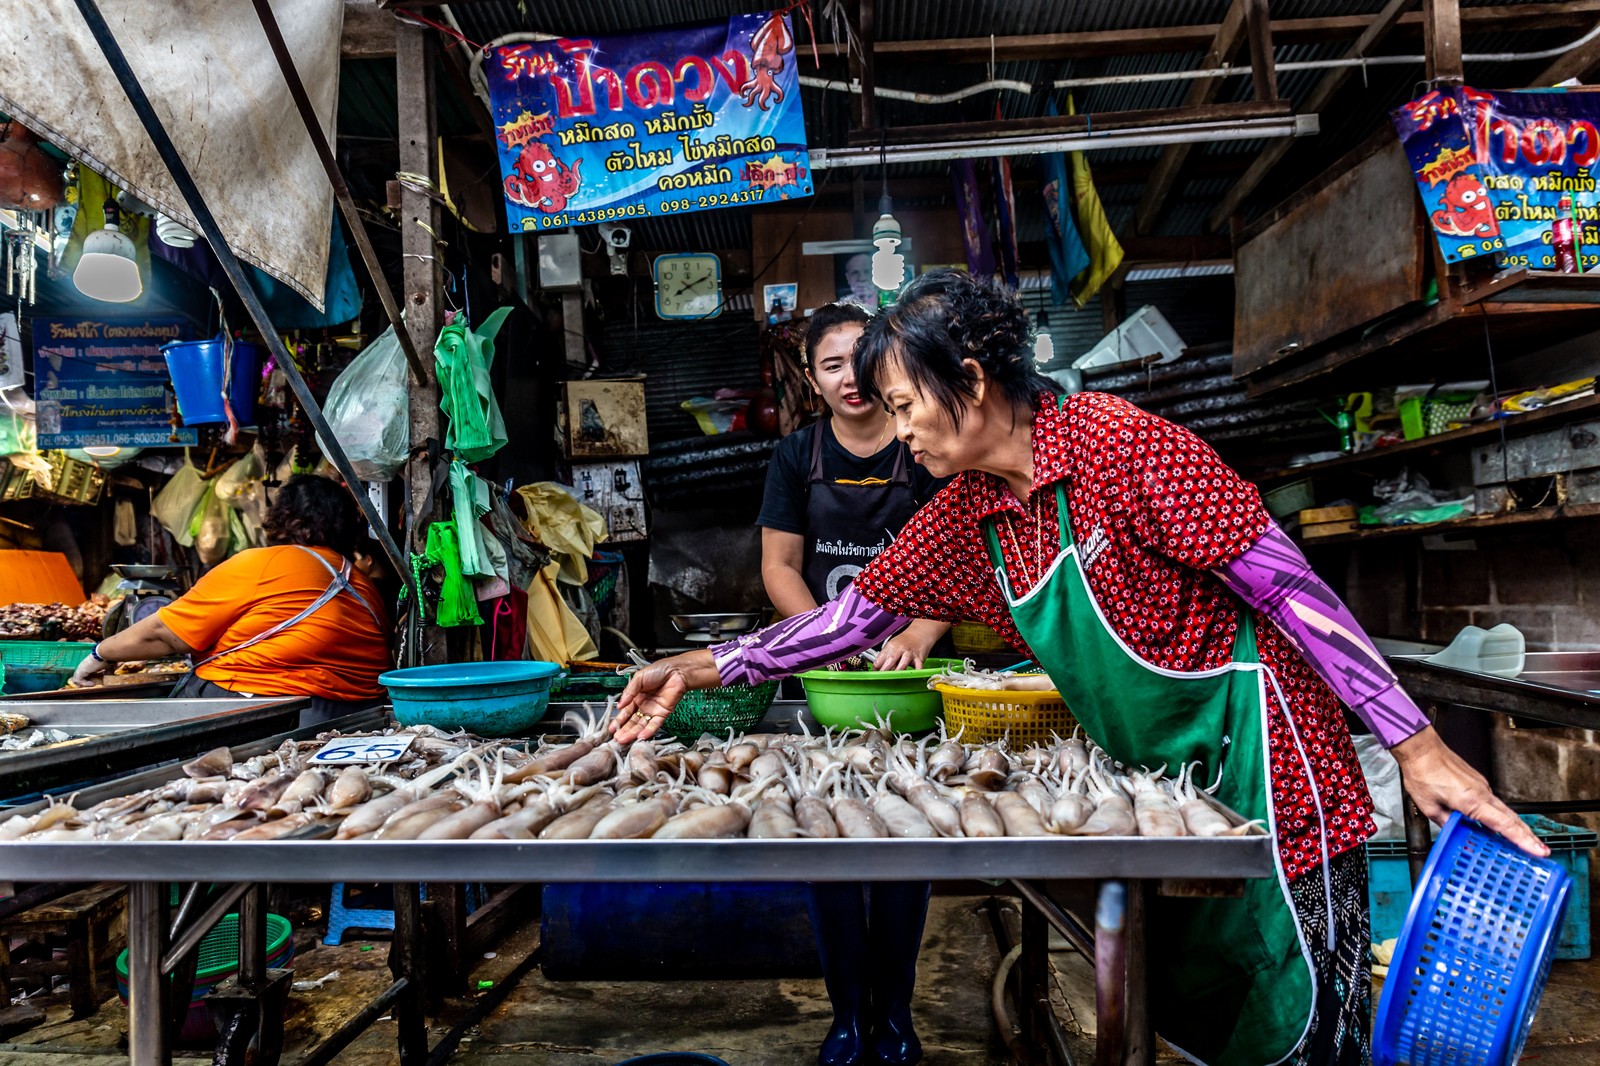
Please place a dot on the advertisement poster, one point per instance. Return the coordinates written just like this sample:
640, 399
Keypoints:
104, 382
685, 118
1493, 167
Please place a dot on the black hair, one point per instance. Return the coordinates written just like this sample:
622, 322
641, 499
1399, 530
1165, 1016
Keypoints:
316, 512
942, 318
829, 317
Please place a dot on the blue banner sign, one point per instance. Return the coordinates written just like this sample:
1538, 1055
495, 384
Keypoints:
1493, 167
104, 382
667, 121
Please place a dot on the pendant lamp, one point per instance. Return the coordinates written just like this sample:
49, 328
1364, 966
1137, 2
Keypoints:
107, 269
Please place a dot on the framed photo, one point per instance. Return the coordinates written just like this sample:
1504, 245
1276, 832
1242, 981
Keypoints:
780, 300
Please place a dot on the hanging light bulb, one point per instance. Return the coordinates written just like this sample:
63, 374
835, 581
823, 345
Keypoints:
1044, 346
107, 270
888, 265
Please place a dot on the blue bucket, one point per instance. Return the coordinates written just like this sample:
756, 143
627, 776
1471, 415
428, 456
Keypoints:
196, 370
493, 699
1470, 965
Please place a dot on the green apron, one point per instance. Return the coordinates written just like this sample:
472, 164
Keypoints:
1230, 979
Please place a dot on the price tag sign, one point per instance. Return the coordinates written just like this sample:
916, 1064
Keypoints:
345, 750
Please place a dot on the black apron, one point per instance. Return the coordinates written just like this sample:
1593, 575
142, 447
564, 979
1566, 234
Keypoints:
849, 523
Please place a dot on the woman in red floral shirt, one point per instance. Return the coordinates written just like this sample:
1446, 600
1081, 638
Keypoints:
1180, 625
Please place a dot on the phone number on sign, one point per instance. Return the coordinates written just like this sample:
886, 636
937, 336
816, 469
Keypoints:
665, 207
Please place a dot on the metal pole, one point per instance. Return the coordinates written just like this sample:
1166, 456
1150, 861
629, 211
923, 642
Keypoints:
342, 1037
341, 191
185, 938
253, 938
147, 984
118, 62
405, 962
1139, 1049
1110, 973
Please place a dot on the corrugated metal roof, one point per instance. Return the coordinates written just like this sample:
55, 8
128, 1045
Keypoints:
1359, 109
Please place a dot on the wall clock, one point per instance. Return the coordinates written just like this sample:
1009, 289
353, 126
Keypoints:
688, 285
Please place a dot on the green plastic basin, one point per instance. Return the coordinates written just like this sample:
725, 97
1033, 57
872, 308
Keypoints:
854, 699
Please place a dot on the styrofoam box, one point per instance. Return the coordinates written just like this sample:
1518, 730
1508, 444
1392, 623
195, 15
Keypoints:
1146, 332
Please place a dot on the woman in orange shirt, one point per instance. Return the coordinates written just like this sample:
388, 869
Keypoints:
292, 619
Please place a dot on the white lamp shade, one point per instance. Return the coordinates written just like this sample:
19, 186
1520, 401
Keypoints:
107, 270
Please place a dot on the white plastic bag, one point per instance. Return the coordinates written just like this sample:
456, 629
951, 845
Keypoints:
367, 409
241, 488
175, 504
1383, 781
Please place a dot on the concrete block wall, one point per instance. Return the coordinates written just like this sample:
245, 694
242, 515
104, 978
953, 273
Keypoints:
1545, 581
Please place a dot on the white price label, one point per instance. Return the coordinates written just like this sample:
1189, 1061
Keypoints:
364, 749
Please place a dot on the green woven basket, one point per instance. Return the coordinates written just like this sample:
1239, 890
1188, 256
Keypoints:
717, 710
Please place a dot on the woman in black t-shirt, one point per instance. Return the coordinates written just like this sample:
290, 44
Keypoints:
837, 493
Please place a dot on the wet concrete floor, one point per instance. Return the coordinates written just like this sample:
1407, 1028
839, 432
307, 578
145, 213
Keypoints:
746, 1022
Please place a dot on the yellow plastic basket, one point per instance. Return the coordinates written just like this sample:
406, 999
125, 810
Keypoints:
975, 638
983, 715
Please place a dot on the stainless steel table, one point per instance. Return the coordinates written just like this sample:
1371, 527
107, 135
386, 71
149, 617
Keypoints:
1127, 871
1554, 688
126, 734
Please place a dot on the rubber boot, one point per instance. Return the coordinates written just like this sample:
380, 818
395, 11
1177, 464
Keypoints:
839, 918
897, 913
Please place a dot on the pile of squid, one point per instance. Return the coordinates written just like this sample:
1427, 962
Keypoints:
851, 784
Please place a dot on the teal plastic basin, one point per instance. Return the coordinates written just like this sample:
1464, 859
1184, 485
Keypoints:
854, 699
499, 699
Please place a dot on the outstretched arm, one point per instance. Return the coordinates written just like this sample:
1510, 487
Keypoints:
1273, 576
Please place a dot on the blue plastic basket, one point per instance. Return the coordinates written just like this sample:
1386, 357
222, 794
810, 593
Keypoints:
493, 699
1470, 965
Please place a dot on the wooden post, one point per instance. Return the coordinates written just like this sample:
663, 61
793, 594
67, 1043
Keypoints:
869, 81
415, 57
1263, 69
1441, 41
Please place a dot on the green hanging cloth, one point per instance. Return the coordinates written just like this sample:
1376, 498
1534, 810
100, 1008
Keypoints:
466, 395
457, 605
469, 496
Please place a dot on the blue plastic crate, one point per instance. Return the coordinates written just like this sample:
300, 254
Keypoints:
1389, 883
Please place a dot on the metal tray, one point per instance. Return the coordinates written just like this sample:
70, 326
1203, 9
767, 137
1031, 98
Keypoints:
127, 734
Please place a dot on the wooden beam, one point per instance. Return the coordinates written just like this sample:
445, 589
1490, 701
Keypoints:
1263, 67
416, 59
1577, 15
368, 31
1193, 248
1320, 97
866, 28
1579, 63
1441, 41
1042, 124
1164, 175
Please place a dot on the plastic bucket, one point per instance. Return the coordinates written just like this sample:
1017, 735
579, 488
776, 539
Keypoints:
196, 370
854, 699
494, 699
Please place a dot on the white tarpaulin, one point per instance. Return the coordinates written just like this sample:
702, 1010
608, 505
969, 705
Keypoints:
211, 76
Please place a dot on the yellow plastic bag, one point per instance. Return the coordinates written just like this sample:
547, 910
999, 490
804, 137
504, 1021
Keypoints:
567, 528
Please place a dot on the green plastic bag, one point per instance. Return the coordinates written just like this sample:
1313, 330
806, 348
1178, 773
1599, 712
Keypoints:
462, 358
457, 605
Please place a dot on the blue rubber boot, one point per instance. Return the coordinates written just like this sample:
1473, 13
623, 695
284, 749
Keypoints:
839, 918
897, 913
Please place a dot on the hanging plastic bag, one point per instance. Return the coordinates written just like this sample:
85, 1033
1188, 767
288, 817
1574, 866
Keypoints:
175, 505
466, 394
367, 409
209, 528
457, 605
240, 487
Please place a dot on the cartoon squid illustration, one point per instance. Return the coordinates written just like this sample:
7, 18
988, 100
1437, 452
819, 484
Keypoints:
1467, 211
549, 181
767, 49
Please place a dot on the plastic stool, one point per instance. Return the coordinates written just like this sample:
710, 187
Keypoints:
341, 917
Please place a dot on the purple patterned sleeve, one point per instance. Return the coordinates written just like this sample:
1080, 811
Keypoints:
1274, 577
819, 637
